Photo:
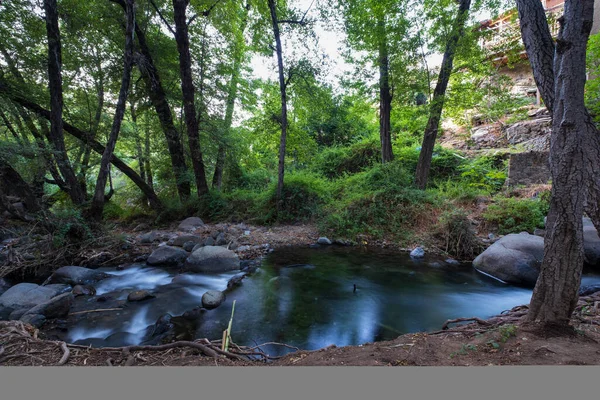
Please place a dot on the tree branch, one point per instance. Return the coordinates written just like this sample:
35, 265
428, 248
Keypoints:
161, 17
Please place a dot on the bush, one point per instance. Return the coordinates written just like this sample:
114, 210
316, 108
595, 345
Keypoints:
335, 162
69, 227
460, 240
514, 215
445, 163
487, 173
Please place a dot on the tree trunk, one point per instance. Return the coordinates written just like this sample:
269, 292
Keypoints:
98, 199
282, 88
187, 89
231, 96
56, 102
147, 159
138, 142
158, 98
155, 202
385, 97
574, 155
439, 93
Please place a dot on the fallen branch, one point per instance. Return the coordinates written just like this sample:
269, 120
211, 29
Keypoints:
65, 357
473, 319
91, 311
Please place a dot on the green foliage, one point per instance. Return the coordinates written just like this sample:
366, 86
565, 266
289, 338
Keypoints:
445, 163
513, 215
336, 161
592, 86
70, 226
487, 173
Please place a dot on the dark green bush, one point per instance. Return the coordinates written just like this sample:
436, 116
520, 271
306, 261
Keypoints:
513, 215
334, 162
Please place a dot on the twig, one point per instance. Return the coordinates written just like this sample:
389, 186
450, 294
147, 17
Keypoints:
65, 357
98, 310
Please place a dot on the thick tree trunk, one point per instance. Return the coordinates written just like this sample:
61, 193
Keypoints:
98, 199
11, 183
155, 202
282, 88
187, 89
158, 98
56, 102
231, 96
437, 103
574, 155
385, 97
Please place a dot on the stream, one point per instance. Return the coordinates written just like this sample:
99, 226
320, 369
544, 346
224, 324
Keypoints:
303, 297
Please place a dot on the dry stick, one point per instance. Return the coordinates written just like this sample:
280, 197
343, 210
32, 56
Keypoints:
98, 310
453, 321
274, 343
63, 360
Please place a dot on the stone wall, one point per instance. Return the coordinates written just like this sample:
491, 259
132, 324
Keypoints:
528, 168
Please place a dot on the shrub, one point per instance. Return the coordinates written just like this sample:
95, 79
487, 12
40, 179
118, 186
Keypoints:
487, 173
460, 240
69, 227
517, 215
335, 162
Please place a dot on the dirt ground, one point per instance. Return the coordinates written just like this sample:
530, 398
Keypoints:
501, 340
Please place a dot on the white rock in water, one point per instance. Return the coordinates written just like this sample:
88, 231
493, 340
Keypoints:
323, 240
418, 252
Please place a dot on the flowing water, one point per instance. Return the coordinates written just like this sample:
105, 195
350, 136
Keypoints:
300, 296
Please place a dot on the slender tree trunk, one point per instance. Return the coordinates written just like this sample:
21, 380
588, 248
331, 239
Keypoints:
231, 96
98, 199
187, 89
56, 102
439, 94
10, 128
138, 142
574, 155
158, 98
155, 202
147, 159
282, 88
385, 97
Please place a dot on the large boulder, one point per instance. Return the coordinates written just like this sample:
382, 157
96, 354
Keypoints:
212, 259
72, 275
515, 258
591, 244
179, 241
189, 224
56, 307
212, 299
167, 255
27, 295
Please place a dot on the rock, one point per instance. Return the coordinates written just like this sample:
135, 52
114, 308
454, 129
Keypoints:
56, 307
220, 239
452, 261
189, 246
435, 264
236, 280
17, 314
587, 290
28, 295
36, 320
193, 314
478, 134
212, 259
167, 255
72, 275
539, 232
209, 241
418, 252
149, 237
323, 240
179, 241
141, 258
139, 295
591, 244
189, 224
515, 258
99, 259
212, 299
83, 290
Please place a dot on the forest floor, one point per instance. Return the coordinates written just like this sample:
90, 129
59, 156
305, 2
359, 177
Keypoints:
501, 340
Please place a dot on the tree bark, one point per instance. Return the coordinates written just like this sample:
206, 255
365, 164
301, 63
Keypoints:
574, 156
158, 98
439, 94
155, 202
282, 89
98, 200
231, 96
11, 183
385, 97
56, 102
187, 89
